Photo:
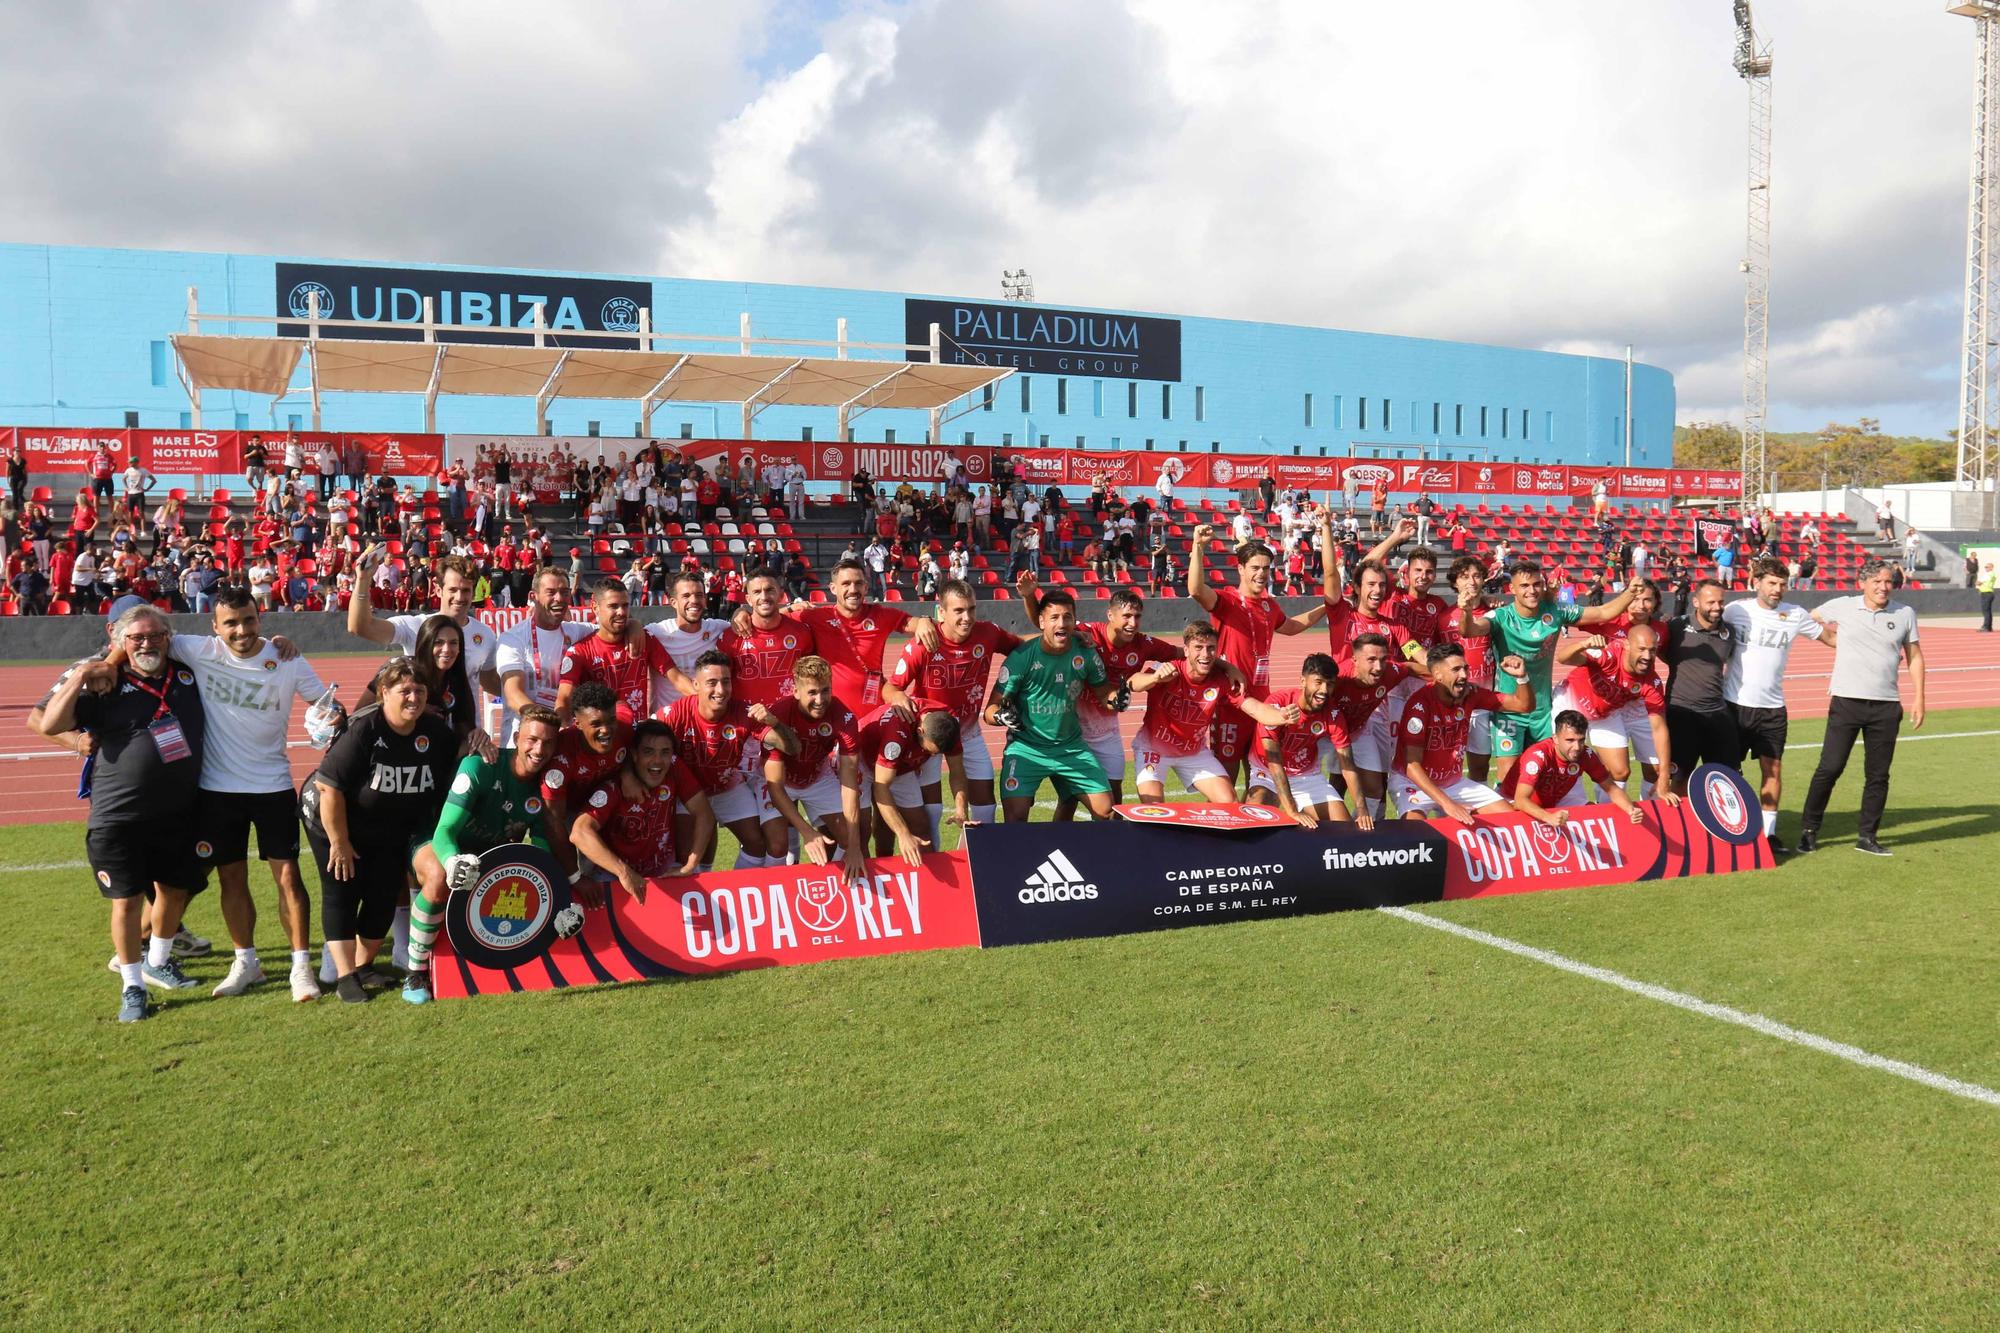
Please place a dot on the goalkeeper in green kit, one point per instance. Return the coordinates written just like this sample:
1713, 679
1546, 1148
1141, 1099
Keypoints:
1035, 700
1529, 627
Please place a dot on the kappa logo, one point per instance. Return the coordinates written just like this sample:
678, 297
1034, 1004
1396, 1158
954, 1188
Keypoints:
1057, 881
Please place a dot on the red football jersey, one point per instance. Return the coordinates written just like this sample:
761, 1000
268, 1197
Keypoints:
1180, 710
1299, 744
1441, 728
954, 675
712, 751
1601, 686
641, 828
1356, 702
1430, 619
1246, 627
577, 768
764, 659
1552, 777
622, 666
820, 740
1120, 663
855, 648
1345, 623
887, 739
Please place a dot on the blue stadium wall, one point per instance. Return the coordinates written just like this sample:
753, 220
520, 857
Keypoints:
83, 343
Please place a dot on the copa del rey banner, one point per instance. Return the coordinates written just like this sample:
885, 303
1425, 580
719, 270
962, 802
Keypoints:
171, 453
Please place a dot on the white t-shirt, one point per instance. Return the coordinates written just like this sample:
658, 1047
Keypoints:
480, 644
683, 645
248, 703
1755, 676
536, 655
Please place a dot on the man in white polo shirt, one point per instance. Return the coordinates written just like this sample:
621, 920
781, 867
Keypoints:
1871, 637
457, 576
529, 656
1753, 681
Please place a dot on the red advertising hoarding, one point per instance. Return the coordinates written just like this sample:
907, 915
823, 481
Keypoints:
200, 452
67, 448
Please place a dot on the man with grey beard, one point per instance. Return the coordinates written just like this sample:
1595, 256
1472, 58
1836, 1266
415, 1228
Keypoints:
144, 712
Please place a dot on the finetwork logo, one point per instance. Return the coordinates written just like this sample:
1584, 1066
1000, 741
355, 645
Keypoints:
1057, 881
1376, 856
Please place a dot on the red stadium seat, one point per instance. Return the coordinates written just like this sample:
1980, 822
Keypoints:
59, 607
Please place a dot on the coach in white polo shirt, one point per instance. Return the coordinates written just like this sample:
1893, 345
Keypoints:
1753, 681
530, 654
1871, 637
248, 688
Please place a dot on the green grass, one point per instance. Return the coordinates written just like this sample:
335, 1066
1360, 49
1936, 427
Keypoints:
1338, 1120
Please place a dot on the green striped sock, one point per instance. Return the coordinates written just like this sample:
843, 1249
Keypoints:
425, 919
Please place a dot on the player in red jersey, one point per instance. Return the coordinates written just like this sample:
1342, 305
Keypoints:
1468, 578
614, 657
1433, 734
588, 750
1547, 783
765, 642
853, 635
711, 727
1430, 619
625, 826
1182, 699
1644, 610
824, 776
1618, 691
1246, 617
953, 674
1362, 696
1290, 761
1369, 612
893, 750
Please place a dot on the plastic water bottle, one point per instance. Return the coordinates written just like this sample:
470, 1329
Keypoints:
323, 720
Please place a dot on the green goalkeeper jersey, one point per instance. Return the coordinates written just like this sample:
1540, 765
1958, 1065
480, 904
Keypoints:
488, 806
1534, 638
1045, 686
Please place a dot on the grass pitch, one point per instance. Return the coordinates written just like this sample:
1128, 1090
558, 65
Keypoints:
1343, 1120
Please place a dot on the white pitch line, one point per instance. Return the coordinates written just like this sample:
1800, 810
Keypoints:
1912, 737
46, 865
1770, 1027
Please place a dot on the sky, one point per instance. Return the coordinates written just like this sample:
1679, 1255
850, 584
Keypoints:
1540, 173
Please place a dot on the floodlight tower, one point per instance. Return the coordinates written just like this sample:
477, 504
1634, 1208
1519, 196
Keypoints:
1017, 284
1753, 66
1976, 425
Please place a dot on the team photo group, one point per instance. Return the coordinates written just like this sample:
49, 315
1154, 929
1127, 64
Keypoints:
830, 733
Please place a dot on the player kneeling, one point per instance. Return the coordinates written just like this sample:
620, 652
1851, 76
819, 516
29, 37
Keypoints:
1182, 699
825, 775
1288, 763
624, 830
893, 749
1547, 783
1035, 699
1437, 721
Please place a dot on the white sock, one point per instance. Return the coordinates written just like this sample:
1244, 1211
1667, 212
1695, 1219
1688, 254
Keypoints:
1770, 822
132, 974
329, 972
1373, 804
399, 930
247, 957
302, 956
745, 861
982, 814
935, 811
159, 949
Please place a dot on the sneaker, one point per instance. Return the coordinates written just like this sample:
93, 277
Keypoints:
242, 976
350, 989
1808, 842
305, 986
1778, 847
1872, 847
112, 966
168, 976
187, 944
132, 1005
380, 976
417, 986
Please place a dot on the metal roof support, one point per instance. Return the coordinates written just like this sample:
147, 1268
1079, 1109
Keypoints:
312, 353
845, 413
550, 387
194, 392
752, 405
840, 338
431, 393
652, 398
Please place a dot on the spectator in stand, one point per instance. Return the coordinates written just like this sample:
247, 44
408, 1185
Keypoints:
103, 467
1241, 528
1725, 564
31, 588
17, 476
708, 494
1027, 551
83, 576
254, 464
83, 516
1378, 505
1913, 548
137, 482
961, 562
982, 519
1885, 520
1267, 491
876, 560
1809, 533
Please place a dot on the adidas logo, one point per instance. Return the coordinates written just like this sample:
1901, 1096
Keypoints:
1057, 881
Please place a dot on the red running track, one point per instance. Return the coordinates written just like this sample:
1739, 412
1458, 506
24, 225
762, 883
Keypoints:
38, 780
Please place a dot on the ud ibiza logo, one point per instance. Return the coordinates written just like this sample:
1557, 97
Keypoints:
1057, 881
621, 315
300, 300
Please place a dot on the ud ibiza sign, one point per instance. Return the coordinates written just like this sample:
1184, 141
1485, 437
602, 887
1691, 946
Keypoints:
1034, 339
393, 299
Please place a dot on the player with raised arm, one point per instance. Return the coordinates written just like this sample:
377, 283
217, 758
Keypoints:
624, 827
712, 727
1369, 612
457, 577
893, 748
1753, 682
1245, 617
1181, 702
1433, 732
614, 657
1528, 627
530, 653
853, 636
1290, 761
1035, 699
824, 777
1618, 691
1546, 784
492, 802
952, 673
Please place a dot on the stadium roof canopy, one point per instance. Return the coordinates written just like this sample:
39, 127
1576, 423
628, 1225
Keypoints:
537, 363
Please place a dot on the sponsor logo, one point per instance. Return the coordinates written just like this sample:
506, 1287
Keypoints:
553, 779
1223, 471
1367, 474
831, 459
821, 905
1258, 812
1550, 844
1153, 811
601, 798
1334, 859
1057, 880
